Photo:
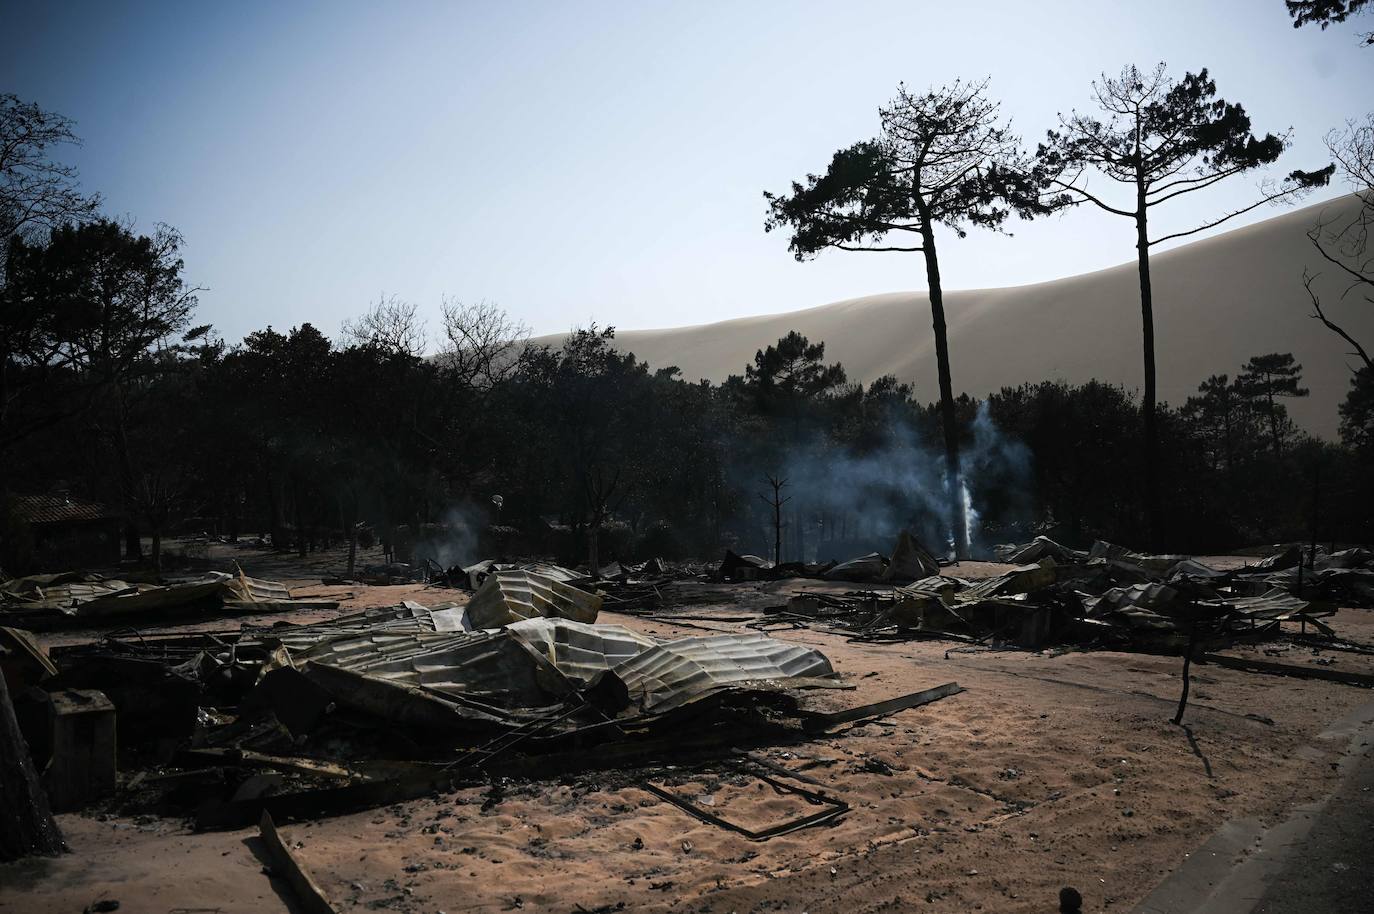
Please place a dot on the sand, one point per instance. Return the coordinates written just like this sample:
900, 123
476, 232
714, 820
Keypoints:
1218, 302
1050, 770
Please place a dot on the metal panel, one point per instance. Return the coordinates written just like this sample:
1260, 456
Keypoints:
668, 675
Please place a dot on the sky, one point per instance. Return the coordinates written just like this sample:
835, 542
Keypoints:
598, 161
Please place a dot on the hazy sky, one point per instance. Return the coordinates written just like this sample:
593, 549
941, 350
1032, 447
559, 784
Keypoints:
595, 160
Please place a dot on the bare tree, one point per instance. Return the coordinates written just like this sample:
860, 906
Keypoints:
481, 342
1344, 243
1161, 139
35, 192
392, 325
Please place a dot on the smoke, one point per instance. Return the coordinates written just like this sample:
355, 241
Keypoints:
845, 502
970, 515
1000, 484
455, 540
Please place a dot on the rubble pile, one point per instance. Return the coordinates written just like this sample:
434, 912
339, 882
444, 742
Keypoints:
282, 722
48, 601
386, 704
910, 561
1106, 596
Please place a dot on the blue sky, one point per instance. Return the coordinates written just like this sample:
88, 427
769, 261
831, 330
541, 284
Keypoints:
595, 160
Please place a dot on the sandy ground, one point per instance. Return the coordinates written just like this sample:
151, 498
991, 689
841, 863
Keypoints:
1050, 770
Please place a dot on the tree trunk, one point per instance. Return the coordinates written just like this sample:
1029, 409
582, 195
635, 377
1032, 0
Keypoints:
26, 823
157, 551
1274, 424
1153, 509
593, 550
300, 518
234, 516
352, 537
1230, 439
777, 532
274, 509
950, 421
133, 543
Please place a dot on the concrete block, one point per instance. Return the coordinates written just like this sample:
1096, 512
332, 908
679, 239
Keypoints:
83, 749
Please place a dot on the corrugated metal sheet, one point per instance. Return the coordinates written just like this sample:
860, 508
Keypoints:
534, 662
1276, 604
578, 650
1151, 597
408, 617
69, 595
104, 598
509, 666
240, 588
1020, 580
510, 595
493, 666
671, 674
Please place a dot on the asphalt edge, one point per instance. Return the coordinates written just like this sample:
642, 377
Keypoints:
1231, 871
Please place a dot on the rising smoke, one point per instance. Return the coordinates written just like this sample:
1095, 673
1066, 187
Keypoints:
455, 540
844, 502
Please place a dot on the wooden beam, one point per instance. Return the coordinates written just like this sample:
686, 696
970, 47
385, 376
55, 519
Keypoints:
311, 897
814, 722
1290, 669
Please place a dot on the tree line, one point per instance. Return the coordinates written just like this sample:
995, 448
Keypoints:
109, 387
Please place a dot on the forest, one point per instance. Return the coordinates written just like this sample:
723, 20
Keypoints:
479, 442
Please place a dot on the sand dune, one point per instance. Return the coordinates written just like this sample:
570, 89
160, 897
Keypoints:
1218, 301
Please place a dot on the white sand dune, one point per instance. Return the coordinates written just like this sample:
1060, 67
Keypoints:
1218, 301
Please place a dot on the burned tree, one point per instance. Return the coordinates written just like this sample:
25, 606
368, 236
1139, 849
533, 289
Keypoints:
776, 503
1161, 139
944, 157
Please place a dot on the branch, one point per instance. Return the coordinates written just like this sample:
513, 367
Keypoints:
1091, 199
1197, 183
847, 247
1226, 218
1320, 315
1359, 277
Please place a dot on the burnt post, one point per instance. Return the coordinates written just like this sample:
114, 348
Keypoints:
1316, 512
1187, 664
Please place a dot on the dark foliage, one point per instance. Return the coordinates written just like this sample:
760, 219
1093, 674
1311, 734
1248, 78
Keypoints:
582, 452
1326, 12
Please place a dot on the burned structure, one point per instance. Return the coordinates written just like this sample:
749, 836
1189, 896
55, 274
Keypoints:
185, 701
